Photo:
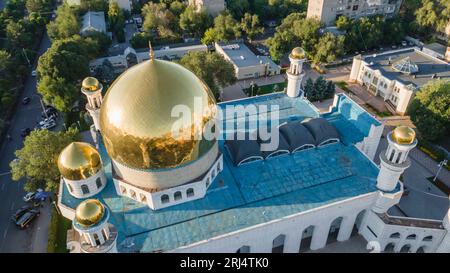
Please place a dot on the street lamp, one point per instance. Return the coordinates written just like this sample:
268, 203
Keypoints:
441, 164
42, 105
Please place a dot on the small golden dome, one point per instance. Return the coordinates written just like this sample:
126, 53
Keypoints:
298, 53
89, 212
90, 84
137, 122
403, 135
79, 161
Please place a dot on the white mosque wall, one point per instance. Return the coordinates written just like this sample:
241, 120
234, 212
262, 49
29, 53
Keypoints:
67, 212
399, 236
170, 177
369, 144
261, 238
87, 187
174, 195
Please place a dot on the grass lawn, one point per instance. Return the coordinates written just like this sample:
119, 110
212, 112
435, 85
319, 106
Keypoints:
266, 89
57, 233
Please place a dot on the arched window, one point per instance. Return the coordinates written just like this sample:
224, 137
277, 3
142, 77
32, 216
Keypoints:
143, 198
218, 168
213, 174
133, 194
96, 239
395, 235
85, 189
164, 198
123, 190
190, 192
389, 247
177, 195
411, 237
208, 182
421, 249
278, 244
70, 187
391, 157
398, 157
98, 182
428, 238
405, 249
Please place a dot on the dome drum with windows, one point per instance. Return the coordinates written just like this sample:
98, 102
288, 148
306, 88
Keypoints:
79, 161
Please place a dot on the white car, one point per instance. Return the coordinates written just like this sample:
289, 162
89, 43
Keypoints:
47, 120
48, 125
30, 195
404, 43
34, 73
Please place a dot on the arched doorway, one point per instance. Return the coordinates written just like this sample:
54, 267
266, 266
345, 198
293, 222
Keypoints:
405, 249
358, 222
305, 243
389, 248
334, 230
421, 249
278, 244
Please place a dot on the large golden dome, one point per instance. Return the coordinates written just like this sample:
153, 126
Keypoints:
79, 161
136, 121
89, 212
403, 135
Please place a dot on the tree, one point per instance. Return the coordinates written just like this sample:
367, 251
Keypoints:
160, 19
37, 160
238, 8
59, 92
5, 60
195, 22
225, 29
116, 20
140, 40
309, 89
328, 49
430, 110
38, 5
250, 25
212, 68
19, 34
94, 5
65, 24
97, 43
433, 14
176, 7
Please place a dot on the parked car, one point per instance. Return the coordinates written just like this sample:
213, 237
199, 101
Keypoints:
34, 73
50, 111
48, 125
26, 100
404, 43
25, 132
20, 212
30, 195
47, 120
27, 218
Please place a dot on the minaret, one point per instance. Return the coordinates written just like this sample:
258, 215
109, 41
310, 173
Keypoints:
295, 73
92, 88
96, 235
393, 162
82, 170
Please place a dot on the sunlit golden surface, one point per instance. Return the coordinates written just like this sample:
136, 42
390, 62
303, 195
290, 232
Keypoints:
90, 84
298, 53
136, 116
404, 135
78, 161
89, 212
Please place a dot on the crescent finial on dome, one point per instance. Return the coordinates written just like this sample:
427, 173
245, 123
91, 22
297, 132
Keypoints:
151, 52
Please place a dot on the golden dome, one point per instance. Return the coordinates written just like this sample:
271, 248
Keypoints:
78, 161
403, 135
89, 212
298, 53
90, 84
136, 116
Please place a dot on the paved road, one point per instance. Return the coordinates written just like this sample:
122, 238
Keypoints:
12, 239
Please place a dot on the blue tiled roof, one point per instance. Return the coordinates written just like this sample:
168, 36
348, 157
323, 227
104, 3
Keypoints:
251, 194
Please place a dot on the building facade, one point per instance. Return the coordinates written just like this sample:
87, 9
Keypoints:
212, 7
317, 185
397, 75
327, 11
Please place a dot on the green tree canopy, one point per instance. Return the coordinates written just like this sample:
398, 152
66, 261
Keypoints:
238, 8
250, 25
66, 23
19, 34
158, 18
116, 19
430, 110
195, 22
212, 68
37, 160
225, 29
328, 49
39, 5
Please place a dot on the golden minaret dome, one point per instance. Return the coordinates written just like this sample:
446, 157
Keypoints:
403, 135
79, 161
137, 117
90, 84
298, 53
89, 212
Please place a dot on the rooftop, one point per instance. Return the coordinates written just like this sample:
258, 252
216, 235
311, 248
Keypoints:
242, 56
94, 20
253, 193
427, 65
